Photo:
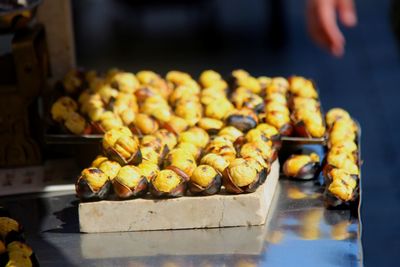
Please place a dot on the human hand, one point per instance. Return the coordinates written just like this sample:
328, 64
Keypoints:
322, 23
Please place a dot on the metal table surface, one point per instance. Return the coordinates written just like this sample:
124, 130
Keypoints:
299, 231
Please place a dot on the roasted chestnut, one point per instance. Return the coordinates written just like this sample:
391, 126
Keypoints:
167, 138
299, 103
209, 95
277, 107
108, 120
148, 169
176, 125
243, 119
223, 147
219, 108
62, 107
308, 123
191, 148
177, 77
182, 93
155, 81
264, 81
245, 98
300, 86
302, 166
19, 254
124, 81
341, 188
268, 153
256, 135
156, 144
107, 94
181, 159
231, 133
334, 114
342, 129
250, 83
145, 124
345, 161
276, 98
271, 133
346, 147
130, 182
205, 180
196, 136
8, 226
211, 126
168, 183
151, 155
277, 85
242, 176
157, 107
93, 184
76, 124
218, 162
122, 146
110, 168
73, 81
280, 121
189, 109
209, 77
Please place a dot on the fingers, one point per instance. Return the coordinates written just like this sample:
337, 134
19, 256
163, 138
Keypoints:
347, 12
323, 26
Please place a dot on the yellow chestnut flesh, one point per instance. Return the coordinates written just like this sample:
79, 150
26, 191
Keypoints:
342, 185
110, 168
95, 178
203, 175
242, 173
231, 133
216, 161
148, 169
166, 180
129, 176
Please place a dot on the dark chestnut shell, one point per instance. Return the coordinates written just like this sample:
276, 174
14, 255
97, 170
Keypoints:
307, 172
114, 155
276, 141
241, 122
243, 119
86, 193
286, 129
178, 191
124, 192
213, 188
230, 187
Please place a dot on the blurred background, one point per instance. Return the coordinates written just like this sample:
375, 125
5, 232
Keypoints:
270, 38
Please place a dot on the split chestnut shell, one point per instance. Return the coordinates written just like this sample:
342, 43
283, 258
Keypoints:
130, 182
302, 166
341, 189
93, 184
168, 183
243, 176
122, 146
205, 180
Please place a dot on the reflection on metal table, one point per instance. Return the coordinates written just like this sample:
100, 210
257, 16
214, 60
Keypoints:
299, 231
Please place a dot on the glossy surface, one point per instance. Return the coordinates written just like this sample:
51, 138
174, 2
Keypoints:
299, 232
